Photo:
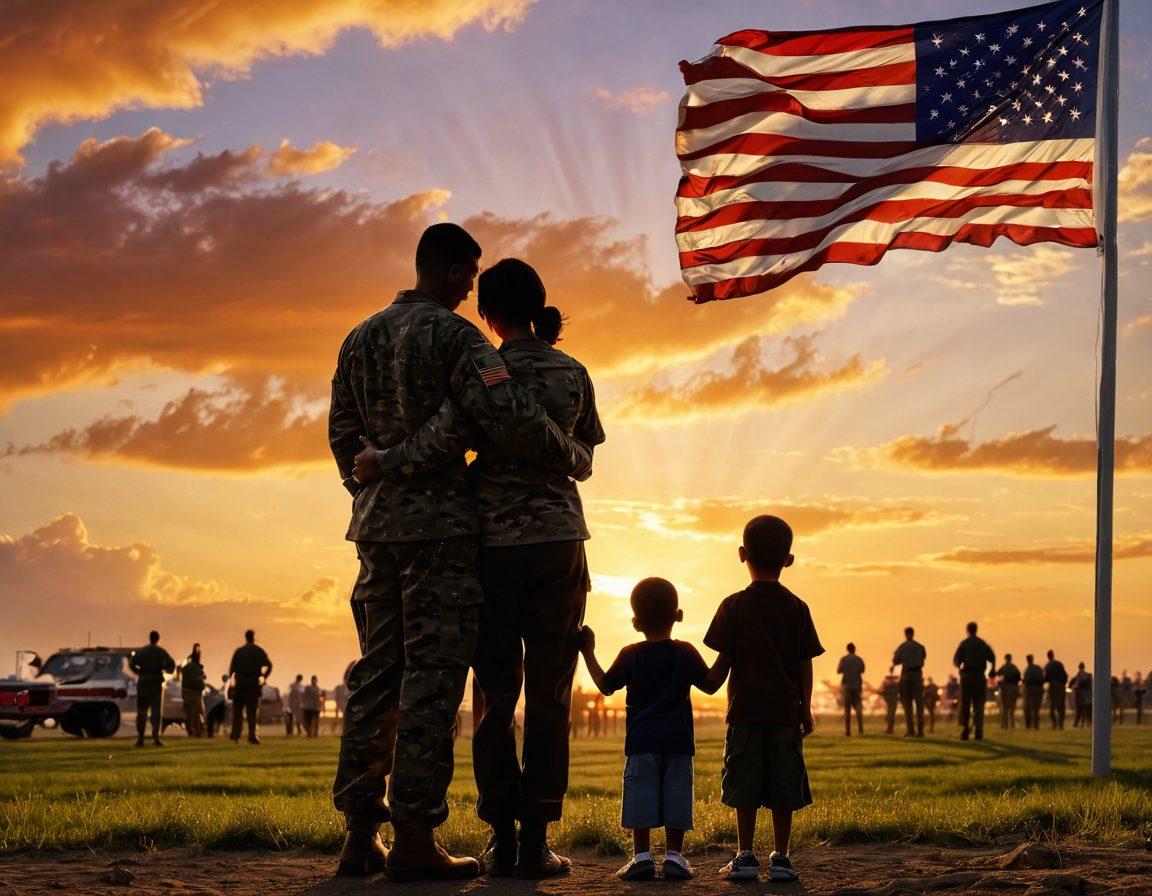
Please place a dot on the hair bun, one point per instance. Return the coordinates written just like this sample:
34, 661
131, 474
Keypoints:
547, 324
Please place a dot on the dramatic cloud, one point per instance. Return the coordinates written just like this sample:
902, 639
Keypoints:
637, 100
289, 161
1134, 547
1023, 276
724, 518
1135, 182
1035, 453
748, 382
124, 259
73, 59
57, 585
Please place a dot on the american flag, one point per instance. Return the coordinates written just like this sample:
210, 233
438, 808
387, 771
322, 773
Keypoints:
805, 147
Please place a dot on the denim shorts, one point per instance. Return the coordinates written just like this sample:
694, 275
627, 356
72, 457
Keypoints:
657, 792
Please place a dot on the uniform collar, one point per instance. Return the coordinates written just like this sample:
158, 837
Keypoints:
412, 296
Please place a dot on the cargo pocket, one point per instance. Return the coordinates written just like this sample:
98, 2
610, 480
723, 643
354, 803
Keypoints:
460, 599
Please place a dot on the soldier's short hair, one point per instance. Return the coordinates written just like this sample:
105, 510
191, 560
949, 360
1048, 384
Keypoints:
767, 542
442, 246
971, 628
909, 632
249, 636
153, 637
654, 604
851, 647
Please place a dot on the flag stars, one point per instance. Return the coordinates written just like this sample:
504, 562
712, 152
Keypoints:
1003, 122
1047, 117
1009, 60
940, 72
1027, 119
964, 51
952, 63
1077, 87
1012, 29
1040, 26
1050, 89
1036, 79
935, 113
962, 83
964, 110
1078, 62
1027, 42
1075, 114
1063, 51
1082, 11
1051, 63
1061, 100
980, 37
978, 64
994, 48
937, 40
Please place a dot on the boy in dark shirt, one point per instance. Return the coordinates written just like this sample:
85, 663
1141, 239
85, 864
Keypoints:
659, 674
766, 636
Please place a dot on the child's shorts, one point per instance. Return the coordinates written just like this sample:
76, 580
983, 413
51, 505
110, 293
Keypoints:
657, 792
764, 766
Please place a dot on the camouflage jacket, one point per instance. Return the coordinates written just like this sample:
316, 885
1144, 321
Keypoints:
519, 500
395, 371
150, 663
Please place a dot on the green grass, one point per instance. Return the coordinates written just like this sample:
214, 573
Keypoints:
62, 793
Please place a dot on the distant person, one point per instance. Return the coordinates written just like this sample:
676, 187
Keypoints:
890, 693
1081, 685
150, 663
1114, 691
1056, 677
931, 701
972, 658
1010, 678
1125, 696
851, 672
312, 705
217, 715
192, 682
1033, 693
910, 657
659, 674
250, 668
766, 635
296, 704
952, 696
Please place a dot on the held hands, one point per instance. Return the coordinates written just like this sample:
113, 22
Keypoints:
587, 640
807, 723
366, 468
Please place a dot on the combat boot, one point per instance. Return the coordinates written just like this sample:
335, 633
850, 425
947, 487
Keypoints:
364, 852
415, 855
499, 857
535, 860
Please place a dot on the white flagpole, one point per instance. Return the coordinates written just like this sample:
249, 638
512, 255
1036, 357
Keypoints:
1107, 112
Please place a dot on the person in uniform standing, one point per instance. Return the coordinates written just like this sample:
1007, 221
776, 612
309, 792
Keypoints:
296, 705
250, 667
312, 705
150, 663
416, 602
192, 682
973, 658
1056, 677
851, 672
1033, 693
1009, 675
910, 657
1081, 684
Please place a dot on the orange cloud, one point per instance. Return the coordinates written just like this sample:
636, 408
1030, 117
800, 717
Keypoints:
1135, 183
71, 59
323, 156
640, 101
1134, 547
1034, 453
747, 383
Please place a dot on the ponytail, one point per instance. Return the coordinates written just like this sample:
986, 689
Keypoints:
547, 324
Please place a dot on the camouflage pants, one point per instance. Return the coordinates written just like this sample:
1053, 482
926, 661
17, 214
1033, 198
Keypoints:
416, 608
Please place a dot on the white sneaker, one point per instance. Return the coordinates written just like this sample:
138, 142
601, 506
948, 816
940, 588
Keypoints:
676, 867
743, 866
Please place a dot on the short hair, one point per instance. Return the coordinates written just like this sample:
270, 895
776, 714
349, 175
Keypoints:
909, 632
851, 647
971, 628
249, 635
442, 246
1051, 654
767, 542
153, 637
299, 676
654, 604
1007, 657
1030, 657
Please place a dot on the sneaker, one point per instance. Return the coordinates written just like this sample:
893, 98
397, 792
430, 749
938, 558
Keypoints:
639, 867
676, 867
780, 869
743, 866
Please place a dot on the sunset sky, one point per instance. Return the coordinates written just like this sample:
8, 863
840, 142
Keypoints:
198, 201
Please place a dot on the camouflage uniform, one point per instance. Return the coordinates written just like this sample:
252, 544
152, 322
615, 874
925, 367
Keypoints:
416, 600
150, 663
250, 665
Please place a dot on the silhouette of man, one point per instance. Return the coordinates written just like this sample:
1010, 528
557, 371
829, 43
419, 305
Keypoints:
249, 668
150, 663
851, 672
1033, 693
910, 657
1010, 677
1056, 677
973, 658
890, 692
931, 701
1081, 684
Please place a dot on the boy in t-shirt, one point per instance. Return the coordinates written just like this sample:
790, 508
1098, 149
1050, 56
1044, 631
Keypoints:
766, 636
659, 674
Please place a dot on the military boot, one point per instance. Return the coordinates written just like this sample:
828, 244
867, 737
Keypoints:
500, 854
364, 852
415, 855
535, 860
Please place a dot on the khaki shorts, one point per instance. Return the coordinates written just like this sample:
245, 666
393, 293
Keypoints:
764, 767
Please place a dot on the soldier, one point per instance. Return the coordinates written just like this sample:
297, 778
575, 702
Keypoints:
1009, 675
1081, 684
192, 681
295, 705
973, 657
416, 601
312, 705
150, 663
1056, 677
931, 701
250, 668
851, 672
910, 657
1033, 693
890, 692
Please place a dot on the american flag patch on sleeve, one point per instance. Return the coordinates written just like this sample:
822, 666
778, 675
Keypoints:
490, 365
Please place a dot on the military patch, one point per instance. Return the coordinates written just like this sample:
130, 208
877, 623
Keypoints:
489, 364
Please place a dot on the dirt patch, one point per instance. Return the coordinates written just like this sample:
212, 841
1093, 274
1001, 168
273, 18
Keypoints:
872, 870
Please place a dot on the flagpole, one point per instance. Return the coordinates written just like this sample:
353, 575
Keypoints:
1108, 109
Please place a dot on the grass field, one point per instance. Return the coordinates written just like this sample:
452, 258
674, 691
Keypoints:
62, 793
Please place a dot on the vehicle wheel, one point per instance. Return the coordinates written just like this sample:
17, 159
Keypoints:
102, 720
16, 730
